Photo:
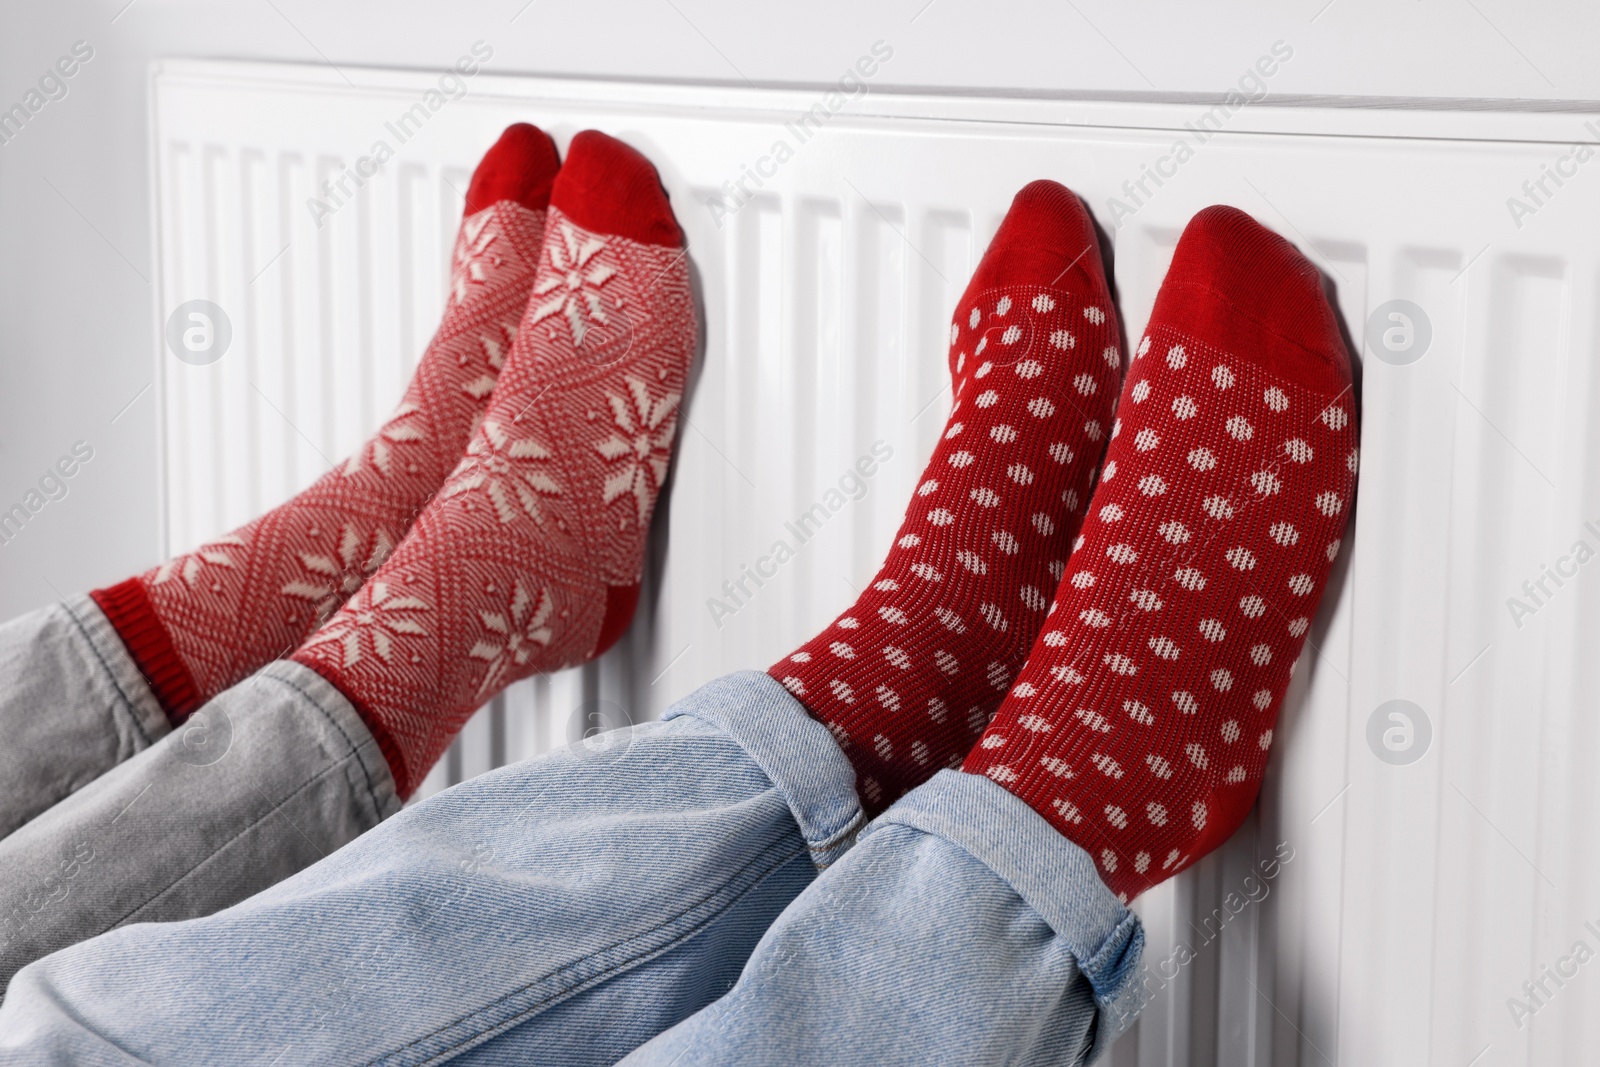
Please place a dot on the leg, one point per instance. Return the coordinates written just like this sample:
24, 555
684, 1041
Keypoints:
961, 929
261, 782
73, 705
569, 908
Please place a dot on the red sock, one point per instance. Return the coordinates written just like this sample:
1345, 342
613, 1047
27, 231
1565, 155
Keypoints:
528, 560
909, 675
201, 622
1141, 724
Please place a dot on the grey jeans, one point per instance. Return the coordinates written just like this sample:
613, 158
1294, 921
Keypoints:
111, 818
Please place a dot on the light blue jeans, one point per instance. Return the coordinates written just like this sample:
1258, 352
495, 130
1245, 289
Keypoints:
698, 890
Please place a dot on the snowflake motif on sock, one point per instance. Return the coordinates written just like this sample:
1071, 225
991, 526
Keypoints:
476, 256
403, 427
376, 619
331, 577
190, 566
517, 632
640, 447
577, 278
498, 464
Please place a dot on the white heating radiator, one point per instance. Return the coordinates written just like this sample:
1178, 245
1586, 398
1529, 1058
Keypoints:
1420, 896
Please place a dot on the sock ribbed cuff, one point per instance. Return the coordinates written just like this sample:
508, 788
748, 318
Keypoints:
127, 607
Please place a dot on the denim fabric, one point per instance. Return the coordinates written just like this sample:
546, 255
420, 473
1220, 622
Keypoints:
571, 908
72, 706
961, 929
261, 782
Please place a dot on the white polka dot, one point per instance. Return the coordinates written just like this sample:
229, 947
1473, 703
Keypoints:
929, 486
1260, 655
886, 585
1253, 607
961, 459
1212, 630
1332, 550
1112, 357
1202, 459
1164, 647
1091, 430
1301, 584
1083, 580
1029, 368
1043, 302
1284, 533
1111, 513
1275, 398
1222, 376
987, 398
1176, 357
1032, 599
1329, 503
1146, 600
1003, 306
1156, 813
1218, 507
1266, 483
842, 650
984, 497
1158, 766
1094, 315
1230, 731
1003, 434
1144, 347
1185, 408
1190, 579
843, 691
1005, 542
897, 657
1297, 450
1185, 701
972, 561
954, 430
1152, 485
1222, 679
1145, 440
955, 331
1042, 523
1175, 532
910, 541
1063, 339
1109, 471
972, 319
1120, 664
801, 657
1239, 428
1094, 617
1353, 460
892, 615
1084, 384
1262, 698
1040, 408
1019, 473
1121, 553
940, 517
1335, 417
1241, 558
1012, 335
1118, 818
1141, 390
1298, 626
1265, 741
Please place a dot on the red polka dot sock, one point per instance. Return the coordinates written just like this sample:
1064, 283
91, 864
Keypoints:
529, 557
1141, 723
203, 621
909, 675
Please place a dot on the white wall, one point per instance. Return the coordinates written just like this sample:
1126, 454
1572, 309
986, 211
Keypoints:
76, 314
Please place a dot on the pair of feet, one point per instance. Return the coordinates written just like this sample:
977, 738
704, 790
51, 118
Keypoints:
495, 526
1101, 588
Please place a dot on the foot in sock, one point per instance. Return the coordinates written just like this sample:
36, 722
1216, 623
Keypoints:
909, 675
201, 622
1141, 723
529, 558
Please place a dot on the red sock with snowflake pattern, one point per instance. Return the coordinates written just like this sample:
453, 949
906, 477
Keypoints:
529, 558
908, 676
203, 621
1141, 723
